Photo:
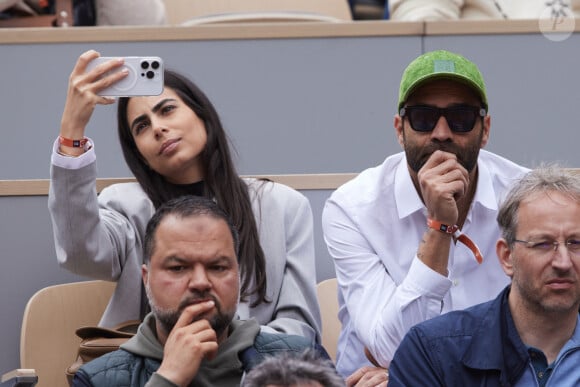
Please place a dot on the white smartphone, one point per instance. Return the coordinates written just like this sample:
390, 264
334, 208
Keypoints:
145, 76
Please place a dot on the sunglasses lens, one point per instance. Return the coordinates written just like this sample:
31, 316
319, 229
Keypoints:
461, 119
423, 118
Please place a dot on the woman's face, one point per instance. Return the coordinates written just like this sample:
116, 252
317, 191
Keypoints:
169, 136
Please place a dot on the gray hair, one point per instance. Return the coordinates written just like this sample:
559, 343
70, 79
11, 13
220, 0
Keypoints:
289, 369
550, 178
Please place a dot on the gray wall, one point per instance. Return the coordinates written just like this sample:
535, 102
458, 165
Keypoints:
295, 105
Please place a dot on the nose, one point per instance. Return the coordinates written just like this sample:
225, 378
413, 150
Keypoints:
159, 129
561, 259
199, 279
441, 131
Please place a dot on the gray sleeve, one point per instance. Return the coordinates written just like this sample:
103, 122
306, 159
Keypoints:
90, 239
297, 310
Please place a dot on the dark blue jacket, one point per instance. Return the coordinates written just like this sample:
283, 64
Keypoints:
479, 346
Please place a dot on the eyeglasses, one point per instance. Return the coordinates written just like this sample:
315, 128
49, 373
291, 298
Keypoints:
544, 248
460, 118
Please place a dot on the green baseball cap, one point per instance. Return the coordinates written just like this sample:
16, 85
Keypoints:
441, 64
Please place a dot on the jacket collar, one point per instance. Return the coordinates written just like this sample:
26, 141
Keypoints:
496, 344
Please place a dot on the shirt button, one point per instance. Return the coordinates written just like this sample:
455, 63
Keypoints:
455, 282
540, 374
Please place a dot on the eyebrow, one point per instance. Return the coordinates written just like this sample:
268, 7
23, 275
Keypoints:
155, 109
548, 236
174, 259
217, 260
221, 259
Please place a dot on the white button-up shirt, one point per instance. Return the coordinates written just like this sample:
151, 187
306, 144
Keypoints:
373, 226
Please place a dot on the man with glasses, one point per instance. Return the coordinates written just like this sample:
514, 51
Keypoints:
528, 335
398, 232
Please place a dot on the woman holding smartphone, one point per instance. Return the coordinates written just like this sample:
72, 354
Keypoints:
174, 144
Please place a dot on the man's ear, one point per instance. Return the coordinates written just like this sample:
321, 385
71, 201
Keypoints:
486, 128
398, 124
504, 254
145, 274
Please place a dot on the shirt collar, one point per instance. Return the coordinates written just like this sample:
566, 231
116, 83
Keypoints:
485, 192
573, 342
406, 196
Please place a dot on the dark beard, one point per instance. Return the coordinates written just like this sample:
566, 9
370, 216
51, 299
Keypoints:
167, 319
417, 157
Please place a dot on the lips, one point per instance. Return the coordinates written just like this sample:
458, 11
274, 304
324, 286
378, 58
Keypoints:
196, 299
167, 145
199, 301
560, 283
560, 280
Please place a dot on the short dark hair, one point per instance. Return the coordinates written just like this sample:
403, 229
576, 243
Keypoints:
185, 206
290, 368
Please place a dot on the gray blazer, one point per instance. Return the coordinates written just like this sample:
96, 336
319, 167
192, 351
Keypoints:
101, 237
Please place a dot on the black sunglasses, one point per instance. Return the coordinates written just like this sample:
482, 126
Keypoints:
460, 118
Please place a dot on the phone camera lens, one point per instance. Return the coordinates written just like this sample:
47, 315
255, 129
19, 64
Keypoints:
150, 74
144, 65
154, 65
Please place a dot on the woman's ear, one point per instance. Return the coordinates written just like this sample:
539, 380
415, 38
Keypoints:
504, 254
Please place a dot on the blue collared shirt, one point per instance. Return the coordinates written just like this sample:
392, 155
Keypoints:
564, 371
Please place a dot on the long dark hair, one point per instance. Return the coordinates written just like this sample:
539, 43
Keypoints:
221, 181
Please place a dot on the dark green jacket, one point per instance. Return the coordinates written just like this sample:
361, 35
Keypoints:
134, 365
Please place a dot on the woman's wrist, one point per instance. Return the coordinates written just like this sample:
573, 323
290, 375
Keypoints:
72, 146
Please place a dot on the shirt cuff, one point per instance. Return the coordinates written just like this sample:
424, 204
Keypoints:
427, 281
73, 162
